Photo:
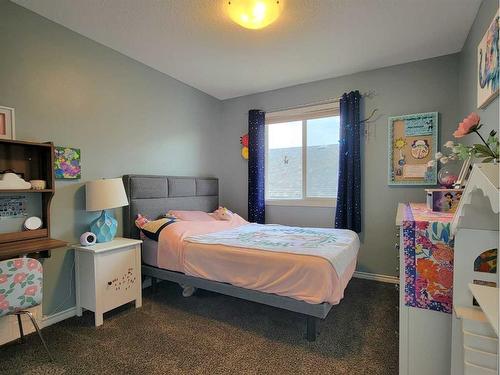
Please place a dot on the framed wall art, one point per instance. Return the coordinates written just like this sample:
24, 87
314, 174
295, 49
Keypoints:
487, 65
413, 141
7, 123
67, 163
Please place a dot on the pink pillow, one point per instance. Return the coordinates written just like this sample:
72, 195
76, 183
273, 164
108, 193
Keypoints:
191, 215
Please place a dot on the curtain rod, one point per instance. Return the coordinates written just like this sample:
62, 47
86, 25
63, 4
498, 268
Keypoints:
369, 94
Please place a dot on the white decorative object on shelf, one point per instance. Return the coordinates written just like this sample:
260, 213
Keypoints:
11, 180
38, 184
32, 223
475, 276
483, 181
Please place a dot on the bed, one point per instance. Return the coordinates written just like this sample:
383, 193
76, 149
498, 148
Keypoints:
305, 284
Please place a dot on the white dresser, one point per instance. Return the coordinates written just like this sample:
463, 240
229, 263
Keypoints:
108, 275
424, 335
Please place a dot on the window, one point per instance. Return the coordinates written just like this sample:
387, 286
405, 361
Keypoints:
302, 147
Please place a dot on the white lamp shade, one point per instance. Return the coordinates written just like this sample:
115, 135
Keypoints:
104, 194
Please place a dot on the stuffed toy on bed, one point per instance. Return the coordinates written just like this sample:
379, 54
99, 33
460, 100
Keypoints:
151, 228
222, 213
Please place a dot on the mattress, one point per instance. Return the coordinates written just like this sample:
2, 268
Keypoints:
303, 277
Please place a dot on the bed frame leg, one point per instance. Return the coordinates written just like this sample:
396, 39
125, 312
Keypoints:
311, 328
154, 287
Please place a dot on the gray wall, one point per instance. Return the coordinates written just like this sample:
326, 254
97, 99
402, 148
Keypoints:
424, 86
125, 117
468, 79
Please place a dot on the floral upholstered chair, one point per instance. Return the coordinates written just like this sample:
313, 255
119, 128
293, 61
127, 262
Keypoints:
21, 288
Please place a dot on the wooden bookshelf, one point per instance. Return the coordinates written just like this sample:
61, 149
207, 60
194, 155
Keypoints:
39, 246
22, 191
33, 161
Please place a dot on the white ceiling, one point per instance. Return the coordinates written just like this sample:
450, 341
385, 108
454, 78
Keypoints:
195, 42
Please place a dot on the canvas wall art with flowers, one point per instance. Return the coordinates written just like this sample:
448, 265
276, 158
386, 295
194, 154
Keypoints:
67, 163
488, 69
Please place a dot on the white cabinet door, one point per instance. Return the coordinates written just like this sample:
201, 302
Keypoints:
429, 344
116, 278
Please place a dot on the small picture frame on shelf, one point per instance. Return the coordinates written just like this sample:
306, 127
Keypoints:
7, 123
443, 200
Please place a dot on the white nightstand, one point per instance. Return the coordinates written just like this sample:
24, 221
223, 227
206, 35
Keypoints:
108, 275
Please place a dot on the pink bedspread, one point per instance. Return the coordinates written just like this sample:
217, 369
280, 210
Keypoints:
303, 277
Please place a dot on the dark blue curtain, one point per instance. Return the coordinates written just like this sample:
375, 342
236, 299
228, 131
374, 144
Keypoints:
348, 212
256, 155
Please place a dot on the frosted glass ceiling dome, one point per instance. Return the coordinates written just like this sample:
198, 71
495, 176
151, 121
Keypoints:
254, 14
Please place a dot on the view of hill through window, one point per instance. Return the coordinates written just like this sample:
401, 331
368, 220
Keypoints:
285, 163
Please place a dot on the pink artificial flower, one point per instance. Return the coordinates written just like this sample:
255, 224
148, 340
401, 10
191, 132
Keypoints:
2, 297
18, 263
19, 277
468, 125
4, 305
31, 290
3, 278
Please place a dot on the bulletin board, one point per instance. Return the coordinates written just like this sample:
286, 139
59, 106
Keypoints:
413, 142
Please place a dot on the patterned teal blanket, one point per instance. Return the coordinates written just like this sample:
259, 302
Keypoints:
338, 246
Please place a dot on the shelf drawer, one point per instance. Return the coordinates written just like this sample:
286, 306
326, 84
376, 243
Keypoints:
470, 369
480, 342
117, 277
480, 358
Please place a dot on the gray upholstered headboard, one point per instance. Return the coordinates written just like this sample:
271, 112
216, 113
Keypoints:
153, 196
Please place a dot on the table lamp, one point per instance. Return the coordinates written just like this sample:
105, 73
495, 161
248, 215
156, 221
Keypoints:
103, 195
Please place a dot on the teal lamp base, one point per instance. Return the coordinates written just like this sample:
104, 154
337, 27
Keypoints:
104, 227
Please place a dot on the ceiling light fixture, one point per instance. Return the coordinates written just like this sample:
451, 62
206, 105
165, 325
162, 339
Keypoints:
254, 14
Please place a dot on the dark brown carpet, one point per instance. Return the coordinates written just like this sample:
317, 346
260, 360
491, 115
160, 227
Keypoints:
214, 334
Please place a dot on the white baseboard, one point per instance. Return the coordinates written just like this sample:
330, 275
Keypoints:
376, 277
48, 320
